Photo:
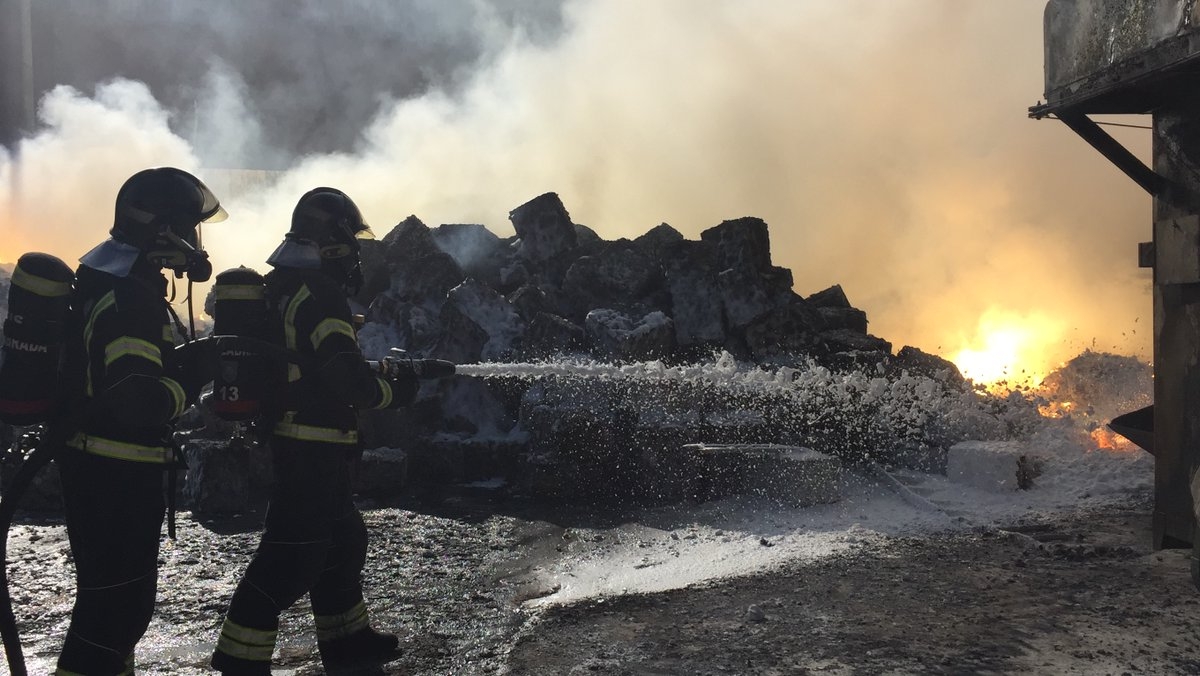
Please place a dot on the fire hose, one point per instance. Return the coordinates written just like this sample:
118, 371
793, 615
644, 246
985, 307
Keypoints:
41, 452
52, 435
396, 365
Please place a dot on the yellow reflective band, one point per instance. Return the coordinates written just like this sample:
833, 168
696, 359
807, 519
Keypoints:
289, 327
108, 300
344, 624
385, 390
39, 285
330, 435
119, 450
329, 327
239, 292
178, 397
128, 346
246, 643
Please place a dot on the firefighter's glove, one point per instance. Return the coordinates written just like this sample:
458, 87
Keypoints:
404, 390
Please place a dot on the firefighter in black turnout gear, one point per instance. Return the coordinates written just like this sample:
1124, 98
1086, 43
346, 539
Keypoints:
125, 386
314, 540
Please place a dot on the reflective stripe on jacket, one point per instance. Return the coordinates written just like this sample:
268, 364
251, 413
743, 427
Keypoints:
121, 450
121, 367
309, 314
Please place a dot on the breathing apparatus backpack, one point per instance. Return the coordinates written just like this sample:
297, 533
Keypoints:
239, 309
39, 299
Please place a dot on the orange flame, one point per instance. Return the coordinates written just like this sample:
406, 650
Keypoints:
1057, 409
1107, 440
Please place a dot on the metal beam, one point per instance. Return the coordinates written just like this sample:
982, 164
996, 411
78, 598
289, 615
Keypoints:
1115, 152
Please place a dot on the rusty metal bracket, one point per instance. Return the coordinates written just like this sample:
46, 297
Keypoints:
1116, 153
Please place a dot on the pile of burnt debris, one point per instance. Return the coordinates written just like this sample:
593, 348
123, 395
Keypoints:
555, 292
460, 292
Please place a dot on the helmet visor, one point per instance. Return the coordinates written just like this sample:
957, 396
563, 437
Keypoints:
211, 210
217, 216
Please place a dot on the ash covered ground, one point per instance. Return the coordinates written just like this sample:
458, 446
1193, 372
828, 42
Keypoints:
909, 572
878, 583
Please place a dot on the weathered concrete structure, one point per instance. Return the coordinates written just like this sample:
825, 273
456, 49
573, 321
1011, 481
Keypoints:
1143, 57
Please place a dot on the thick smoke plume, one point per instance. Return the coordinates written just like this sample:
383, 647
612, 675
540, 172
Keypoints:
886, 144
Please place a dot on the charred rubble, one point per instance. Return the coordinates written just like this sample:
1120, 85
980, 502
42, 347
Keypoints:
461, 293
709, 312
714, 314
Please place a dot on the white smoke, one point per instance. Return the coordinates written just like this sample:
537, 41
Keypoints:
57, 189
886, 145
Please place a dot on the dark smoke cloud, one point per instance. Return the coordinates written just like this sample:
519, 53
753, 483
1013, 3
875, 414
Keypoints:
312, 73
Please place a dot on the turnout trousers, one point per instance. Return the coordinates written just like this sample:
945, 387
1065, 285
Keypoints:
114, 515
314, 541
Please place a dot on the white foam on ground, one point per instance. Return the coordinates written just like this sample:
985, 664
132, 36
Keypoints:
679, 547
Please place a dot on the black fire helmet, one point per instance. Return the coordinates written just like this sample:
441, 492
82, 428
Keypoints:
326, 227
328, 217
157, 214
154, 201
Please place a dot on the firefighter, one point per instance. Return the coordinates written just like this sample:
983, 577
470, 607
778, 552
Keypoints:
314, 540
125, 388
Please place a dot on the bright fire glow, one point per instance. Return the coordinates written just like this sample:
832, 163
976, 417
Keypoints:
1010, 349
1107, 440
996, 359
1057, 409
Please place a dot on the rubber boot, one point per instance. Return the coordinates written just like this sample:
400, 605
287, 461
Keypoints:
236, 666
366, 645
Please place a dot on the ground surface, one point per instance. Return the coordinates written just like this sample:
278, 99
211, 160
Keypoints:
469, 584
1081, 596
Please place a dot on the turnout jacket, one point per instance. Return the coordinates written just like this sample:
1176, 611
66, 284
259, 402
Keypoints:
318, 399
125, 383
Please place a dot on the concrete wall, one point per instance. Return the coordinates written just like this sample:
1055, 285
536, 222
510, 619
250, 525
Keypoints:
1083, 37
